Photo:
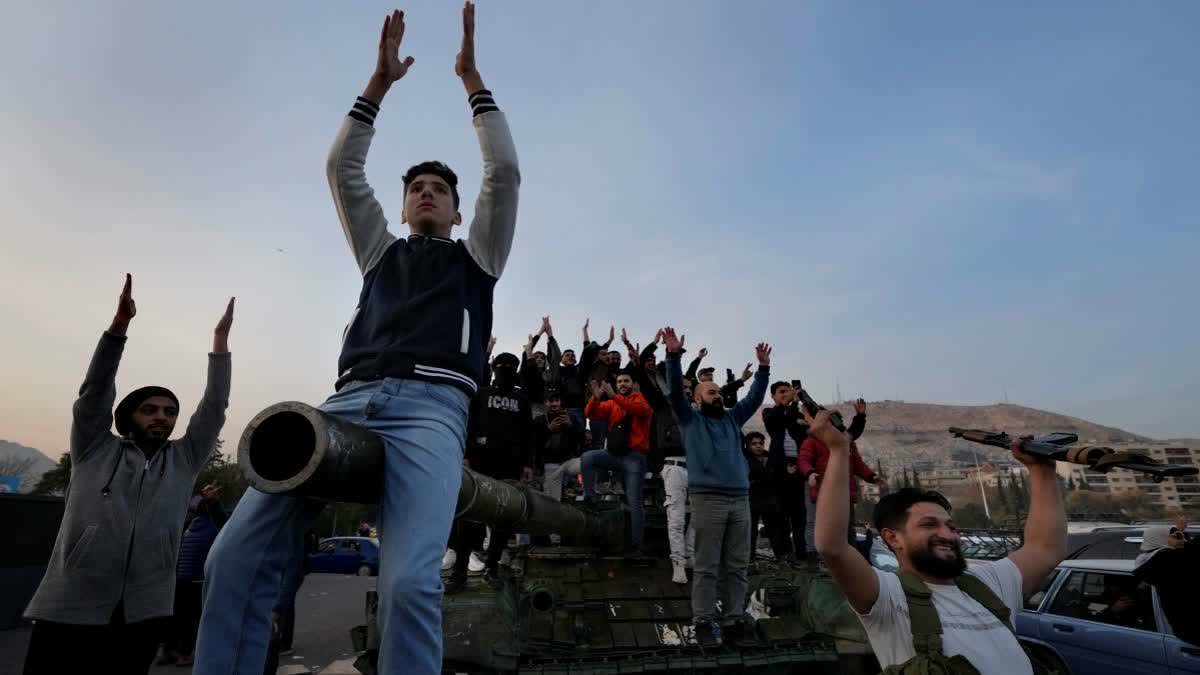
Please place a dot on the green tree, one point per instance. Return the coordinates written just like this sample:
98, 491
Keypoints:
971, 515
56, 480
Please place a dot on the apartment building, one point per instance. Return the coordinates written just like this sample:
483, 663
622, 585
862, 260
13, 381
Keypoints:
1171, 493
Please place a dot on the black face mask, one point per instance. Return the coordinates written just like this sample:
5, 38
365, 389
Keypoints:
505, 375
927, 562
714, 409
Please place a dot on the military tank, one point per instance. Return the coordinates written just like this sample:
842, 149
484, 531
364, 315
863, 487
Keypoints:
581, 605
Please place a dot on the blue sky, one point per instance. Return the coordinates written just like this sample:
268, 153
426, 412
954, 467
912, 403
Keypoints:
936, 202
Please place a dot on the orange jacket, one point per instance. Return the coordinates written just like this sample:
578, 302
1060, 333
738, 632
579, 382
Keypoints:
616, 408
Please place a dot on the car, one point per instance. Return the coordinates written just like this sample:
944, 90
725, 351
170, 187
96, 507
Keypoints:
1110, 543
346, 555
1092, 616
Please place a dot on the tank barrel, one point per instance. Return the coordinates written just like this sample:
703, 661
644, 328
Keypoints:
294, 448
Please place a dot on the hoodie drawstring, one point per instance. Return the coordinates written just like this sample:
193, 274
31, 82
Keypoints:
107, 490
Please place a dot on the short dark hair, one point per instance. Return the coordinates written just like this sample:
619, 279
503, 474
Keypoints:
434, 169
568, 351
892, 510
506, 357
551, 394
778, 385
709, 371
751, 436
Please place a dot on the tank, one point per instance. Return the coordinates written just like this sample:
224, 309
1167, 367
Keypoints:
574, 606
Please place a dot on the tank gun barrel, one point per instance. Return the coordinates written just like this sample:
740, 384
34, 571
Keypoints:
294, 448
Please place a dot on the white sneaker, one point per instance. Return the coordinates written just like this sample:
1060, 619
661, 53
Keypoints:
680, 574
475, 565
448, 559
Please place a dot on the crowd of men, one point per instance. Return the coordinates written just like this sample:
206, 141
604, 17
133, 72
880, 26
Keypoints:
412, 370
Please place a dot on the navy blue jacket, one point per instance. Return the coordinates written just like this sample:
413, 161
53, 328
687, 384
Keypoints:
196, 542
425, 310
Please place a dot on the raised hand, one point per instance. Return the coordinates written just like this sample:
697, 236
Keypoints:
612, 333
126, 308
491, 344
546, 326
464, 63
607, 389
529, 347
221, 332
625, 338
388, 66
763, 352
820, 428
703, 353
672, 342
747, 373
860, 407
658, 336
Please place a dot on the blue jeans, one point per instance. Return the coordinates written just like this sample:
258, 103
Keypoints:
423, 427
633, 469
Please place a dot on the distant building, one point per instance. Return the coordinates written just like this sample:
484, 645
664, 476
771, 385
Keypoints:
1172, 493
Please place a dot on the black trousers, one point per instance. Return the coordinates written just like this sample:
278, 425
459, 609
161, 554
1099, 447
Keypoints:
466, 537
115, 647
791, 518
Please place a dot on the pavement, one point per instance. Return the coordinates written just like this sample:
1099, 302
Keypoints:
327, 607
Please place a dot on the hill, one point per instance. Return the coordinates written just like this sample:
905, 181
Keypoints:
900, 433
16, 456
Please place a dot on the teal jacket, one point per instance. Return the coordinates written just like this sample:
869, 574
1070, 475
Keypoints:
714, 444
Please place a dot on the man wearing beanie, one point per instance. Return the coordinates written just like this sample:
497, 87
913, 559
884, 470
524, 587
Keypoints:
112, 572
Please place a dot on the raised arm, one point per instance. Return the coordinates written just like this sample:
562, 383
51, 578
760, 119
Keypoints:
495, 221
679, 403
91, 415
201, 438
359, 212
1045, 528
851, 572
859, 423
745, 408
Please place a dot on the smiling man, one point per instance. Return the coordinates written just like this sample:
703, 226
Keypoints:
936, 611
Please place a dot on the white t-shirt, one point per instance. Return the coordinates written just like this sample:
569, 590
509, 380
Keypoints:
968, 628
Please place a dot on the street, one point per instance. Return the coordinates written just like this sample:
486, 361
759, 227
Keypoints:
327, 607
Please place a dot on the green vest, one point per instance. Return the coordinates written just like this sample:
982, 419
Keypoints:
927, 628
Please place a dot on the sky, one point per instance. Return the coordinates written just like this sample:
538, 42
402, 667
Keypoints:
939, 201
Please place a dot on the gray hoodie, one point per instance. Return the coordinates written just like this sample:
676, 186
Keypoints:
120, 542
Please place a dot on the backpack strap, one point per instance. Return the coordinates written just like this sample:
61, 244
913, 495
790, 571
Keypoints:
922, 615
981, 593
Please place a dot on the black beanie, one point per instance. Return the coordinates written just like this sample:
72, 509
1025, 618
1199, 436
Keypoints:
124, 414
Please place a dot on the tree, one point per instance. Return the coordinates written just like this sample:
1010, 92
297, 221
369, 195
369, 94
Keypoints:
904, 481
1015, 496
219, 469
916, 479
56, 480
21, 468
971, 515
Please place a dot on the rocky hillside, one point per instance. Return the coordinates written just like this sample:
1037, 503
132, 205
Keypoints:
32, 463
903, 434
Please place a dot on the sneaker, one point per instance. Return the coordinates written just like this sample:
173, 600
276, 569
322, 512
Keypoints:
679, 574
455, 584
708, 634
475, 565
448, 559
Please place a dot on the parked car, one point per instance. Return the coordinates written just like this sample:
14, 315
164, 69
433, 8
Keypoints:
1092, 616
346, 555
1110, 543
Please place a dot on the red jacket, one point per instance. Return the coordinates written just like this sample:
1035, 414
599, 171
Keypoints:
814, 456
616, 408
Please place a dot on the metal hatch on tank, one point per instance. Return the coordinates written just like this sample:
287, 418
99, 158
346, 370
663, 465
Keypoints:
576, 607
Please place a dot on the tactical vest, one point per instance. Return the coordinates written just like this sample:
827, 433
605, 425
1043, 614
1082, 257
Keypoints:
929, 659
